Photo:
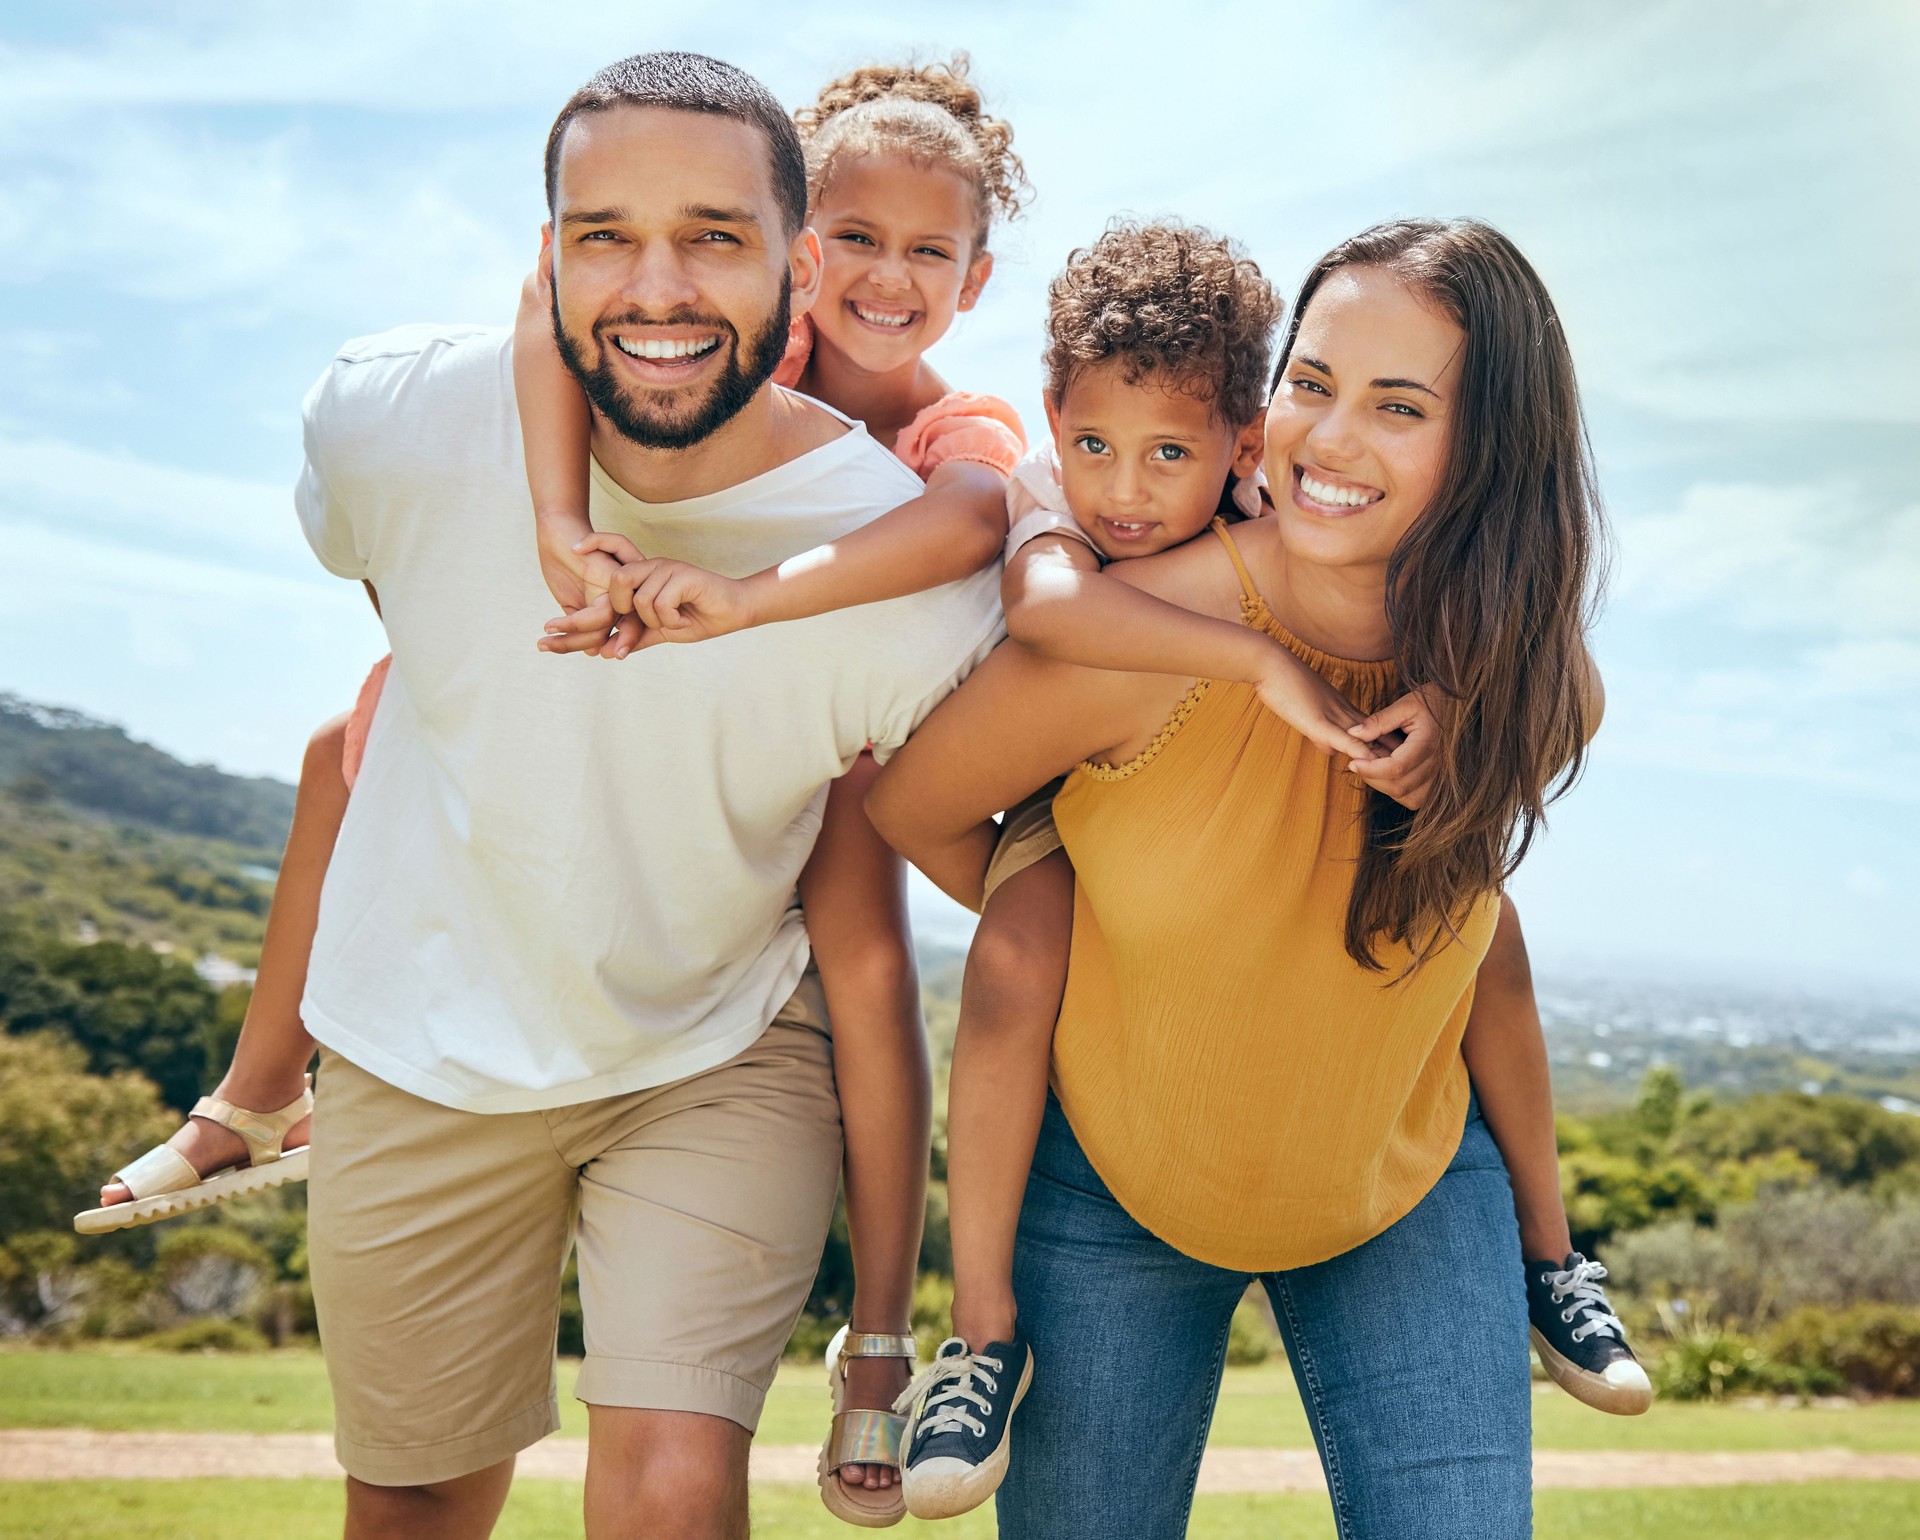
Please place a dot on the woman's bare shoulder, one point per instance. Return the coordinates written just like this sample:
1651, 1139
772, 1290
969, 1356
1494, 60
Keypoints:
1196, 575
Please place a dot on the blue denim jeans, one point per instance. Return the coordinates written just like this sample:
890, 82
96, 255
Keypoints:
1410, 1352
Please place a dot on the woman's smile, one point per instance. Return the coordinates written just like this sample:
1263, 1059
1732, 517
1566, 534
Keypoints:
1320, 492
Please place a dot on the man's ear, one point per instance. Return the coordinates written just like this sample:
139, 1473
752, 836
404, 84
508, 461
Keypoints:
803, 263
978, 272
1250, 447
543, 264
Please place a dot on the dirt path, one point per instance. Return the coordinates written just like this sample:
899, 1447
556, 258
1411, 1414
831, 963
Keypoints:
77, 1453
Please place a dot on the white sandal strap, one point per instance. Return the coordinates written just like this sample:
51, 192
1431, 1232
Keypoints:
875, 1344
264, 1132
162, 1169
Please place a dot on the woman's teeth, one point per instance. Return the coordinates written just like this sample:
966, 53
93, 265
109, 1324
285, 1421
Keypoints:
652, 347
881, 318
1335, 497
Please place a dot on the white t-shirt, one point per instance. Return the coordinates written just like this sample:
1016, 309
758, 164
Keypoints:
561, 878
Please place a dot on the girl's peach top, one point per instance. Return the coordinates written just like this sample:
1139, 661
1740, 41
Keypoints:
1250, 1093
959, 426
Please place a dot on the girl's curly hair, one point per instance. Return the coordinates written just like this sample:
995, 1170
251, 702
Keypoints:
931, 113
1169, 301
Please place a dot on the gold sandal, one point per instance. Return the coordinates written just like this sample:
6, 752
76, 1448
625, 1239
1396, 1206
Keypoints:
164, 1183
863, 1436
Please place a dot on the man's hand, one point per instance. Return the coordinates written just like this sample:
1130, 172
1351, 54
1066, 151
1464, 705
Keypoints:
1306, 702
1410, 730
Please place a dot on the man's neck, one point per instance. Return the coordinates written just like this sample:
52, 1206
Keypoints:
768, 431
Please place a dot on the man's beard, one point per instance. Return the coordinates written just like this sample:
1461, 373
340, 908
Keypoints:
642, 420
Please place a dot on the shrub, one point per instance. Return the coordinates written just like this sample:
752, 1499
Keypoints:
210, 1270
1711, 1365
209, 1335
1783, 1251
1250, 1340
1874, 1349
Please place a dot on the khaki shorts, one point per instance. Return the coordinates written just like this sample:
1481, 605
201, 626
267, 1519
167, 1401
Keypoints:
1027, 836
437, 1240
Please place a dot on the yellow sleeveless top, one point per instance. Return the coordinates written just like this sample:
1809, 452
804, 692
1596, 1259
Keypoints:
1247, 1091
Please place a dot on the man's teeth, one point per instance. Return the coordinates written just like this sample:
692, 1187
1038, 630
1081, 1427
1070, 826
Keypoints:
653, 347
879, 319
1337, 497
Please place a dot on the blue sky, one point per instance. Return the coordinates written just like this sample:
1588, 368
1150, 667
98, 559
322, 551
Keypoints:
198, 203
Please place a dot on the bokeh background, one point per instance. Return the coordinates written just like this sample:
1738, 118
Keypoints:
199, 202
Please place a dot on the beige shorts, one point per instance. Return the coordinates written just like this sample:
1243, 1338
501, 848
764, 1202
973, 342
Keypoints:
437, 1239
1027, 836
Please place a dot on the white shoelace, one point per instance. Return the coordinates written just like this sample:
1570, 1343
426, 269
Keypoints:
1582, 1283
946, 1410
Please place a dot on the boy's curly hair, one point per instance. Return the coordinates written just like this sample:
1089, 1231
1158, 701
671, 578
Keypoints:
1170, 301
931, 113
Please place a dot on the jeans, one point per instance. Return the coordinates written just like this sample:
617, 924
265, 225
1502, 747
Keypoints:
1410, 1352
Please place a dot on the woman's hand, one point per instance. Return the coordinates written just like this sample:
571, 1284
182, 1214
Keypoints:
1306, 702
1409, 729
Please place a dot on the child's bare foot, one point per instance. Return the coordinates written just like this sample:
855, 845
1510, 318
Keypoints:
873, 1383
209, 1147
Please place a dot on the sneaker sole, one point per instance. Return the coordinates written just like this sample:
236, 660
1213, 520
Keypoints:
1584, 1385
238, 1183
938, 1495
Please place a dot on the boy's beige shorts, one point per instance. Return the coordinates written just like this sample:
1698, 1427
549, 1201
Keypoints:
437, 1239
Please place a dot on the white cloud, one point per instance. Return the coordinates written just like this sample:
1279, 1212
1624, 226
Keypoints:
1817, 558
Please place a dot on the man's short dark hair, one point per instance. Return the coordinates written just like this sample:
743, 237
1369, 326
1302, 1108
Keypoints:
691, 82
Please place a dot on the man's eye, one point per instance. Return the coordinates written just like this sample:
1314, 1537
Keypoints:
1169, 452
598, 235
1091, 444
718, 237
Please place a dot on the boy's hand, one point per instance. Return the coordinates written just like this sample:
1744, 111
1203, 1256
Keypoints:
1304, 701
1410, 730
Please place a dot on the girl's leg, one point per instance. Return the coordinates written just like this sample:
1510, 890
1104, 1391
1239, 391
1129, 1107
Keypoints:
1129, 1339
1009, 1001
271, 1058
855, 895
1506, 1055
1411, 1355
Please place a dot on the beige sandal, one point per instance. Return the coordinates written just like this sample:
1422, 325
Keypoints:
862, 1436
164, 1183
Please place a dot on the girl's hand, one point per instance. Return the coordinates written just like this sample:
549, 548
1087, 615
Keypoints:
1306, 702
674, 601
591, 624
1409, 729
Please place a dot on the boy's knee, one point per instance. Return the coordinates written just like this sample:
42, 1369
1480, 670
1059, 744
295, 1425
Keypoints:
326, 749
1506, 964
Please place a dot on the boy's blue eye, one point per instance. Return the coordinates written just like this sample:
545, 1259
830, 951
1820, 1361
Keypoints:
1169, 452
1092, 445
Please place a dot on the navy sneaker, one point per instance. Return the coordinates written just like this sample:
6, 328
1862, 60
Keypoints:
1580, 1340
959, 1414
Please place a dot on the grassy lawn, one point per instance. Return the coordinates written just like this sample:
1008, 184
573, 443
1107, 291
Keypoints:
287, 1392
550, 1510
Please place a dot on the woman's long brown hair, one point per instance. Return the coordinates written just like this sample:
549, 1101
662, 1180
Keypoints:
1489, 593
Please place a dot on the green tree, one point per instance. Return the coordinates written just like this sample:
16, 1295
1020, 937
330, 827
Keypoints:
63, 1131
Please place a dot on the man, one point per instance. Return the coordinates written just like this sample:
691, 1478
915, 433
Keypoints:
559, 973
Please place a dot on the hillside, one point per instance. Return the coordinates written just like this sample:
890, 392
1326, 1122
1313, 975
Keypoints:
52, 752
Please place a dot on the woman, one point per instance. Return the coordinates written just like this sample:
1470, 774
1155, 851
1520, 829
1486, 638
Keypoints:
1257, 1063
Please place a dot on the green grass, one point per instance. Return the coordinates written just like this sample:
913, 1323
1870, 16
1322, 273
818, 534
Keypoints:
550, 1510
286, 1392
